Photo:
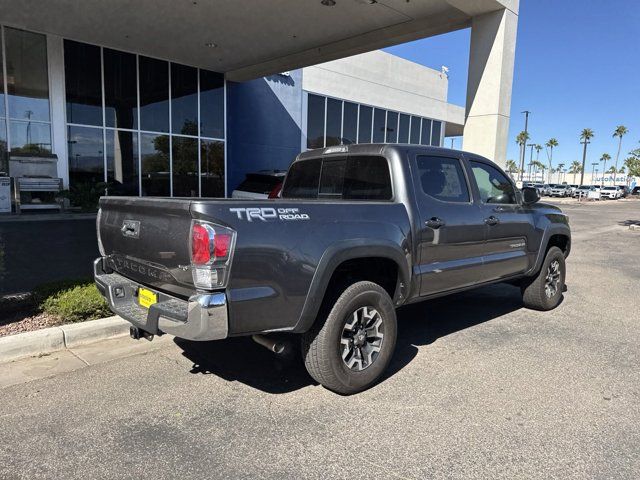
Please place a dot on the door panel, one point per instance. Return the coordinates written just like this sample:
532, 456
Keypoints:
509, 225
451, 231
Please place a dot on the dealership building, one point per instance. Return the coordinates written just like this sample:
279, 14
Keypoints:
183, 101
149, 126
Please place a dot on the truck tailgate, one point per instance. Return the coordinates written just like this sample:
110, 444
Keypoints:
147, 240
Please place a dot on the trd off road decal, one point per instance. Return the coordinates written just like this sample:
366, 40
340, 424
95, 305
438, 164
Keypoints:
267, 214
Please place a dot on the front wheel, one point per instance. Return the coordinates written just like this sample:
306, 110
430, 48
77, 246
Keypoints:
544, 292
349, 350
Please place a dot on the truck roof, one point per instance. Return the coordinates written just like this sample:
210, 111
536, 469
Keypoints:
373, 149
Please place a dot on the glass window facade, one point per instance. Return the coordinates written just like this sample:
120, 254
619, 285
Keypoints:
133, 122
25, 118
333, 121
120, 89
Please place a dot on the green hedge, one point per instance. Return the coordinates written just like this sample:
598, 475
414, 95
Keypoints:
72, 302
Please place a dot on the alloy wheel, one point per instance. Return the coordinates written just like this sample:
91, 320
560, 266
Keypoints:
362, 337
552, 280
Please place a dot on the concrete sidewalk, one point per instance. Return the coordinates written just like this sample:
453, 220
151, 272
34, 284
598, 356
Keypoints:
78, 356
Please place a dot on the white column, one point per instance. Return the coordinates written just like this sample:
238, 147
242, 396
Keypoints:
55, 58
491, 59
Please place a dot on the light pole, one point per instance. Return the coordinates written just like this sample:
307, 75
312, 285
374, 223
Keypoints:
522, 147
585, 142
593, 171
530, 158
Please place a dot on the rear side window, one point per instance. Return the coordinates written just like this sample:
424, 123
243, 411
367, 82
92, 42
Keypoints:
259, 183
443, 179
367, 178
352, 178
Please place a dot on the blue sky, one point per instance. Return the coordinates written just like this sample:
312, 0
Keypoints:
577, 66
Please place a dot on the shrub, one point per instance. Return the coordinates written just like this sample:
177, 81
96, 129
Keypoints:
45, 290
76, 304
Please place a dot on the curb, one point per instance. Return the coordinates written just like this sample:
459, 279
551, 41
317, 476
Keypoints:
47, 340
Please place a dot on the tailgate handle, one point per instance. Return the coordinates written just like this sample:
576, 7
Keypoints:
130, 228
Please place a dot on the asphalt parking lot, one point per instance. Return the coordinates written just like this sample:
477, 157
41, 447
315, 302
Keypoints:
478, 388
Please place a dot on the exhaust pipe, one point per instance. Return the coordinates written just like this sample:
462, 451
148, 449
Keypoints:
136, 333
270, 344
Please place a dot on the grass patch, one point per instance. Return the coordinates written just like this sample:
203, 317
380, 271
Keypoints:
72, 301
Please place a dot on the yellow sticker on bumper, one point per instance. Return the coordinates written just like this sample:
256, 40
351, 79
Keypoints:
146, 298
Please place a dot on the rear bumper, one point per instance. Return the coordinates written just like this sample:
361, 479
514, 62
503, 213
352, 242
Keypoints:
203, 317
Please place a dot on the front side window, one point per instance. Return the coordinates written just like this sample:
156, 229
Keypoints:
493, 185
443, 179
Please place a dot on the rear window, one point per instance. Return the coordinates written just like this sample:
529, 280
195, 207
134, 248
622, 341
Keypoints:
350, 178
256, 183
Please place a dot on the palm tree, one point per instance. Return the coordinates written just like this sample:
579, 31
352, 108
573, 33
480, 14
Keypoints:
586, 135
538, 147
575, 168
559, 170
522, 139
536, 167
551, 144
619, 132
604, 158
511, 166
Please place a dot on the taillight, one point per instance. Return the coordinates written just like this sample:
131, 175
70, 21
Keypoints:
200, 244
211, 251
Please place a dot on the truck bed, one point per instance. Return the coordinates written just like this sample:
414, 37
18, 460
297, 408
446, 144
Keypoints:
279, 247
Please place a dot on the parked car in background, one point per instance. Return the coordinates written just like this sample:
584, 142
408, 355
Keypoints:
636, 190
260, 184
582, 191
573, 187
544, 189
561, 190
612, 193
624, 190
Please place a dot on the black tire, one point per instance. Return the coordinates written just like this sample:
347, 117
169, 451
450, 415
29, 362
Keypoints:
535, 294
322, 349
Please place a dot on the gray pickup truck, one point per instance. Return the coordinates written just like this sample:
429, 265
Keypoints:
359, 231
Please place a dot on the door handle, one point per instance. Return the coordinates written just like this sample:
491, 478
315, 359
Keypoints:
492, 220
434, 222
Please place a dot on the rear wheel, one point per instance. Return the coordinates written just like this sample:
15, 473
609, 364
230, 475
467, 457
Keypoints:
349, 349
544, 292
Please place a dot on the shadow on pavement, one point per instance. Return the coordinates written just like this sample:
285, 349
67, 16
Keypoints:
627, 223
242, 360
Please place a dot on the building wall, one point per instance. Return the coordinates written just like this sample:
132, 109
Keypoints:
386, 81
264, 124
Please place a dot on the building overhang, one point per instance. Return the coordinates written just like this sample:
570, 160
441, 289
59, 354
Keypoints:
249, 38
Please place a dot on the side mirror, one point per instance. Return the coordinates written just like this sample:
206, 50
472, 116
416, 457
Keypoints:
530, 195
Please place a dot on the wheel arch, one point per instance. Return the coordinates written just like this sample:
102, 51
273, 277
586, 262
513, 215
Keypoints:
555, 235
352, 257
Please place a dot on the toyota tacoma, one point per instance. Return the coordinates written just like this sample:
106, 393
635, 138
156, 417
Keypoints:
359, 230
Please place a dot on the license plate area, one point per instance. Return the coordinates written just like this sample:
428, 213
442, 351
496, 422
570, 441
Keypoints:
146, 298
